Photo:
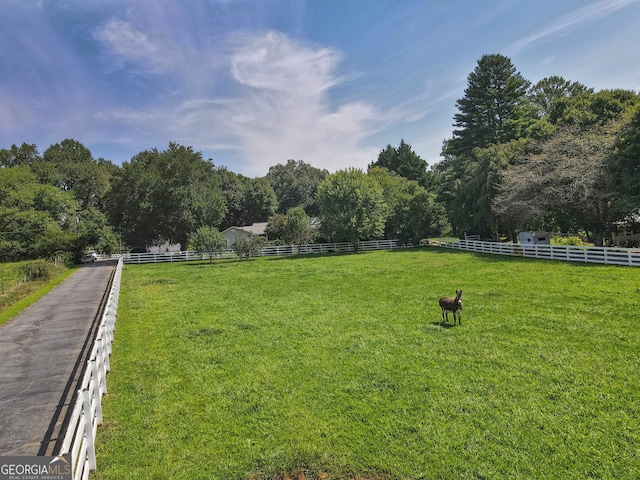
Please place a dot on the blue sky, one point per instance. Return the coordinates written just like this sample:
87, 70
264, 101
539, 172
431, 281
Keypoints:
251, 84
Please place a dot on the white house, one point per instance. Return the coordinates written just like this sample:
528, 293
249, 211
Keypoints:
231, 234
534, 238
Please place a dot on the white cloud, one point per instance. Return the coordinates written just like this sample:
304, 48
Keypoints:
281, 107
286, 111
130, 43
274, 62
574, 19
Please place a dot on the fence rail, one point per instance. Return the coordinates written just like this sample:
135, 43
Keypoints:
87, 412
602, 255
272, 250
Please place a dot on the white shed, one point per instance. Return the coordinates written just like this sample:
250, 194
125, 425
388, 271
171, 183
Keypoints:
534, 238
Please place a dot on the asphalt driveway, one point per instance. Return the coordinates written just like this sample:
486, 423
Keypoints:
42, 355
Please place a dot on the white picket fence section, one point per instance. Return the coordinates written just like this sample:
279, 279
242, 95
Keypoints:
602, 255
80, 437
272, 250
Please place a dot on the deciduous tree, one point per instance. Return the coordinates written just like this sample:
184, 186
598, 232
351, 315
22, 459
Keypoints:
352, 206
625, 168
566, 180
275, 227
295, 185
163, 196
413, 212
297, 228
208, 240
35, 220
547, 92
260, 201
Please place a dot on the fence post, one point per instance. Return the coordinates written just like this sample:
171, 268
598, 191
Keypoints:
106, 352
88, 429
103, 358
95, 373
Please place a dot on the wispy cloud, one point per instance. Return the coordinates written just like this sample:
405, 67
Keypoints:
575, 19
252, 84
285, 111
128, 43
281, 107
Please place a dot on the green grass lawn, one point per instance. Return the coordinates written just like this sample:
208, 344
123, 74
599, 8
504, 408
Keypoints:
334, 367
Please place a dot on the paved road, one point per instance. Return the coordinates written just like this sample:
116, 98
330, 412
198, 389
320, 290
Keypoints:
42, 354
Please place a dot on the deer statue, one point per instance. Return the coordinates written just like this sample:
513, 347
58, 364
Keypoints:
453, 305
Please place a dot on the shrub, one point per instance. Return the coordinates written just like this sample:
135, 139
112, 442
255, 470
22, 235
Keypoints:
245, 248
568, 241
35, 270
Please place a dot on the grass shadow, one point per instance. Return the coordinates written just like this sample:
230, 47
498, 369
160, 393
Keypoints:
308, 255
219, 263
442, 324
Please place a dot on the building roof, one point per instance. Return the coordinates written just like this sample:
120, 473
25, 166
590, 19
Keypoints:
535, 233
255, 229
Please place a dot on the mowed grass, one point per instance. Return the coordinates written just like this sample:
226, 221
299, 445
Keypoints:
334, 367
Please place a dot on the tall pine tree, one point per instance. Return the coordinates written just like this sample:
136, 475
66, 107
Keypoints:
494, 110
403, 161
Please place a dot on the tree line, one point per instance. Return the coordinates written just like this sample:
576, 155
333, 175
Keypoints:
553, 156
66, 201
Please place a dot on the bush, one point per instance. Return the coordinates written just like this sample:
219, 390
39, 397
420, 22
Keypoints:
577, 241
63, 258
35, 270
245, 248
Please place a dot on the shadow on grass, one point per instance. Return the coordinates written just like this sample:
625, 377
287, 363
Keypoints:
486, 256
444, 325
309, 255
218, 263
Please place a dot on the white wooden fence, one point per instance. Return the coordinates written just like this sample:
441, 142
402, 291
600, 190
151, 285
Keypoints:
87, 412
274, 250
569, 253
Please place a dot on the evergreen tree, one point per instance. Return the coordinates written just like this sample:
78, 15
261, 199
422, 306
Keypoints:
494, 109
403, 161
